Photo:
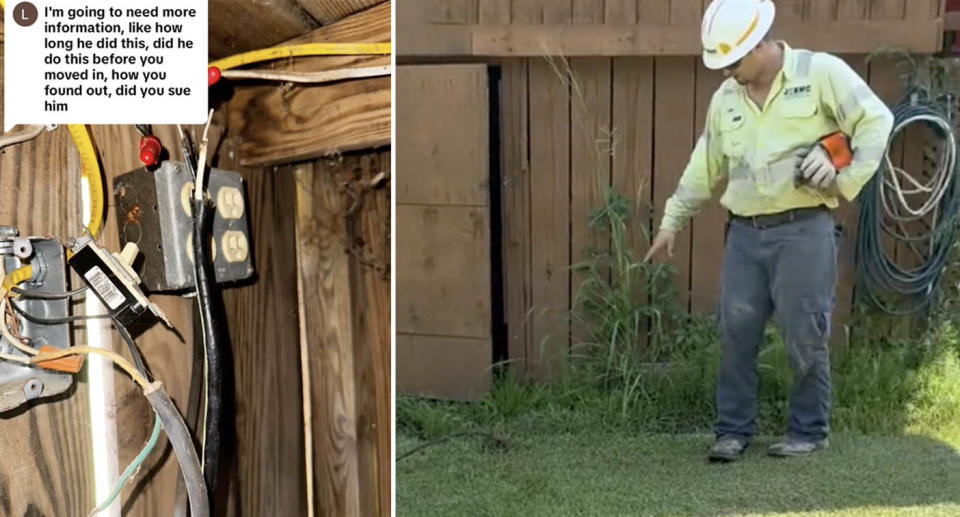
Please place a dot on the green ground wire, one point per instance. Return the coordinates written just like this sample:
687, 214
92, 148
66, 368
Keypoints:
134, 465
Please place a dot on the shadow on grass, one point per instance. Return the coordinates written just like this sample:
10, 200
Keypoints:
668, 475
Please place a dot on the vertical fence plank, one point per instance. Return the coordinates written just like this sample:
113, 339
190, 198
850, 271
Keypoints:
620, 12
494, 12
588, 12
633, 149
792, 10
549, 215
846, 218
924, 9
685, 12
515, 172
653, 11
590, 157
633, 141
673, 124
852, 9
887, 9
708, 228
327, 331
527, 12
822, 10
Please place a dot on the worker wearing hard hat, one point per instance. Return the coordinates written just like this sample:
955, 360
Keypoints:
766, 137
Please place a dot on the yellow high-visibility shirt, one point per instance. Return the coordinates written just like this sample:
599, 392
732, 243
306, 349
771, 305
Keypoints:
754, 149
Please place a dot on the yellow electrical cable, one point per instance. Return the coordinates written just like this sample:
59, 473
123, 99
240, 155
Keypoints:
91, 171
16, 277
87, 350
306, 49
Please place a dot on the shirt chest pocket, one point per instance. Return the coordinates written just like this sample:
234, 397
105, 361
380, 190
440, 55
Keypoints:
798, 110
734, 134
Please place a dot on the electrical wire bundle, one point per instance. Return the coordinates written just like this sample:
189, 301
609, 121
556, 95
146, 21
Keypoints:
167, 418
895, 199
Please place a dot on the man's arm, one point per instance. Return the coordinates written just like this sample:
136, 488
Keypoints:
861, 115
706, 168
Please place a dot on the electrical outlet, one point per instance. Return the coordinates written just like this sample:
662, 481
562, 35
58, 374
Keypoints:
235, 247
230, 203
154, 212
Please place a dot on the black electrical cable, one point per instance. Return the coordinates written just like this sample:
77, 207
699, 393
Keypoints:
27, 293
132, 347
494, 440
881, 278
54, 321
182, 443
210, 305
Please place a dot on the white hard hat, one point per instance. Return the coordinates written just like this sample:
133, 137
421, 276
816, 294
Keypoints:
732, 28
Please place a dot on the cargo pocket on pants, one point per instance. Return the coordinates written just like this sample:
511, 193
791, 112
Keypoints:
811, 330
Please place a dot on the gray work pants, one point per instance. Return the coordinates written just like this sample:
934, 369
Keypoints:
788, 271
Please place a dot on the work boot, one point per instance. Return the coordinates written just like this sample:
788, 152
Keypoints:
726, 449
793, 447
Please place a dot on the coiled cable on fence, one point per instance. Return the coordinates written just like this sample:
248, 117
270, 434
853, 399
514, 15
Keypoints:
896, 197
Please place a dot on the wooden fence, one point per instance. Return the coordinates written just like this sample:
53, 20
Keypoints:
640, 86
649, 27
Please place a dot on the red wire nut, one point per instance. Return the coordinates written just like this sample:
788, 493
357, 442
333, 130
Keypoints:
149, 150
213, 75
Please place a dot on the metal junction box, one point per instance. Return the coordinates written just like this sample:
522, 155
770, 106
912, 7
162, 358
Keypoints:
20, 383
154, 212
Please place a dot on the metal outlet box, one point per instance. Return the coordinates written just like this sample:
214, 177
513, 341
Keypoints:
154, 212
20, 383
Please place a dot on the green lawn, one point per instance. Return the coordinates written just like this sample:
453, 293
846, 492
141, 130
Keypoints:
622, 474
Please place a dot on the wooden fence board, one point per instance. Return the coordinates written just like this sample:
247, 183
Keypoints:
924, 9
327, 331
527, 12
515, 172
633, 91
459, 378
369, 230
887, 9
441, 292
792, 10
673, 133
588, 11
549, 215
590, 160
455, 173
632, 161
707, 229
495, 11
685, 12
620, 11
264, 337
852, 9
653, 11
822, 10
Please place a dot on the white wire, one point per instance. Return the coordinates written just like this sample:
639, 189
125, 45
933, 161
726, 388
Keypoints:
199, 185
28, 134
309, 77
893, 177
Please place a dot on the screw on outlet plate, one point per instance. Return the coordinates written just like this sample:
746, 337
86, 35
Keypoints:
32, 389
